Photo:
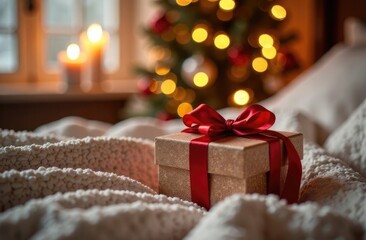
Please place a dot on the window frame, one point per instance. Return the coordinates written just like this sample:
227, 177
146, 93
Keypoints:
32, 42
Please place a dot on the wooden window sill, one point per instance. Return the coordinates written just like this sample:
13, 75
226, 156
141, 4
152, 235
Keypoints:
27, 106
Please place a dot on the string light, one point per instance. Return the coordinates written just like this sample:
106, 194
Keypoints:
265, 40
200, 33
200, 79
184, 108
168, 86
183, 3
227, 5
278, 12
222, 41
162, 69
241, 97
269, 53
260, 64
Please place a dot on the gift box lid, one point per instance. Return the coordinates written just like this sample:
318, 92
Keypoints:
230, 156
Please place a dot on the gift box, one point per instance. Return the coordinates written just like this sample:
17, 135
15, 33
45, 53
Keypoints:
235, 164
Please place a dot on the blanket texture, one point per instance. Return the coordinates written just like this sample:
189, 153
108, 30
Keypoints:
56, 187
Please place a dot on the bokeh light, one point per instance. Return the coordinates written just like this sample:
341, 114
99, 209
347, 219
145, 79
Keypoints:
200, 79
168, 86
184, 108
222, 41
200, 33
227, 5
162, 69
183, 2
278, 12
265, 40
269, 53
260, 64
241, 97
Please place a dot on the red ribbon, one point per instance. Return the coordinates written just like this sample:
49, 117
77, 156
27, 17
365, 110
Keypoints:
253, 122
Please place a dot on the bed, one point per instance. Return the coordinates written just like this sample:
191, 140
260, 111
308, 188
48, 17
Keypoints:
82, 179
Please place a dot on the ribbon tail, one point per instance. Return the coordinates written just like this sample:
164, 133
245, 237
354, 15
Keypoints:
275, 166
198, 170
293, 179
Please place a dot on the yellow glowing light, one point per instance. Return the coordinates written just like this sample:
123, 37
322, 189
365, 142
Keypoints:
269, 53
260, 64
168, 86
184, 108
199, 34
73, 51
162, 70
227, 5
241, 97
183, 2
154, 86
200, 79
265, 40
94, 32
278, 12
222, 41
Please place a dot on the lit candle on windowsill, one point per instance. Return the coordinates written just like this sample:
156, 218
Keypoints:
72, 62
94, 41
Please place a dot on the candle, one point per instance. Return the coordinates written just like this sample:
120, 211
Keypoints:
72, 63
94, 41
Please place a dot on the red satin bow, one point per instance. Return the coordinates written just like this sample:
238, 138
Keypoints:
253, 122
205, 120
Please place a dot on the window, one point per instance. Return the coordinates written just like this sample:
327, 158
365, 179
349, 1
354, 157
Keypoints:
33, 32
8, 37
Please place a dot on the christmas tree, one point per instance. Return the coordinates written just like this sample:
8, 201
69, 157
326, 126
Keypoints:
218, 52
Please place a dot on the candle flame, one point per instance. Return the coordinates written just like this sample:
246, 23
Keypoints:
94, 32
73, 51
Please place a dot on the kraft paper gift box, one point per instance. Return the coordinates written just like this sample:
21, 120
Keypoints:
235, 165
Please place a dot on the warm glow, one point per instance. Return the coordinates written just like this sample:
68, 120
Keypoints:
73, 51
183, 2
199, 34
269, 53
222, 41
224, 15
241, 97
94, 32
227, 5
260, 64
200, 79
184, 108
162, 70
168, 86
278, 12
265, 40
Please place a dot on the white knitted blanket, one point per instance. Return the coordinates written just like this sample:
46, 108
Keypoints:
55, 187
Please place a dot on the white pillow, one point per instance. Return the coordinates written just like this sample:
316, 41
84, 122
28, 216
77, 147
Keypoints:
330, 90
349, 141
354, 32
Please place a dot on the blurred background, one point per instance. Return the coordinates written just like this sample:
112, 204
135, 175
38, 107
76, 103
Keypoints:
161, 58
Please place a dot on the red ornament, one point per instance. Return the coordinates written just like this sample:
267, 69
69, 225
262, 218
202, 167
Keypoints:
143, 85
164, 116
288, 60
238, 56
160, 24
